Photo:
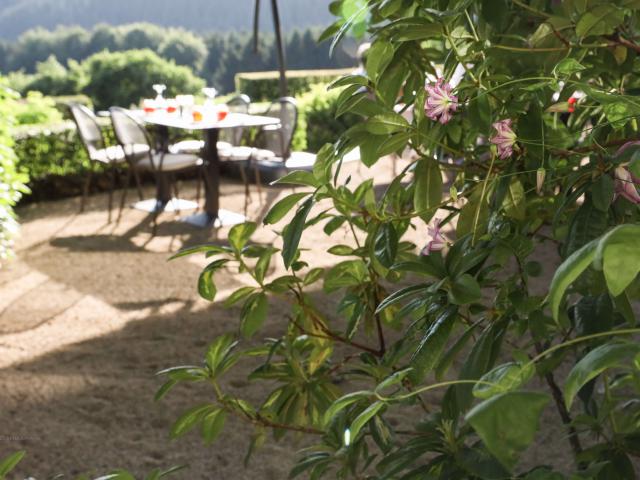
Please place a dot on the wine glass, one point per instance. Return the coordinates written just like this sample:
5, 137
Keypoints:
210, 93
159, 89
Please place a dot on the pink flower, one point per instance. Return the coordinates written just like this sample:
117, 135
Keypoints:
625, 185
504, 139
440, 103
437, 241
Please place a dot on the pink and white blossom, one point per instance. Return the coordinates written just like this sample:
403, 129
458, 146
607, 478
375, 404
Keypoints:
625, 185
505, 138
436, 241
440, 103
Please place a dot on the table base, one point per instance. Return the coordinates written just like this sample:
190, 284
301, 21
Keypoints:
174, 205
225, 218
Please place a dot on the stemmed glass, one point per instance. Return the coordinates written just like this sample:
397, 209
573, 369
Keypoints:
159, 89
210, 93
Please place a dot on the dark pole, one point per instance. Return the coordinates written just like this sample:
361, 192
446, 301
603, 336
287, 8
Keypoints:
256, 26
280, 46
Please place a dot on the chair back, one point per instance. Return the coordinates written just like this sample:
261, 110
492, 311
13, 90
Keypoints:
278, 139
130, 133
88, 129
238, 104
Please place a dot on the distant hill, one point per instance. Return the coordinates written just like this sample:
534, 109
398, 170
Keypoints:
16, 16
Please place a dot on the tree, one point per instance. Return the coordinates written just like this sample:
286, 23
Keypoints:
184, 48
134, 72
532, 107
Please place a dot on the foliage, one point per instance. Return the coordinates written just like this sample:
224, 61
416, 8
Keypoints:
264, 86
36, 109
317, 122
12, 180
196, 15
134, 72
47, 61
532, 133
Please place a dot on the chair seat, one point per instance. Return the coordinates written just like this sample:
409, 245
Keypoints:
195, 146
115, 154
171, 162
297, 161
237, 154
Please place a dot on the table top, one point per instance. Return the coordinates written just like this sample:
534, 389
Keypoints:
232, 120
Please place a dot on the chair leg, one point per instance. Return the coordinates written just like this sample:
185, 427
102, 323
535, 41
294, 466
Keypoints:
177, 194
198, 187
136, 176
123, 198
258, 182
85, 188
112, 187
243, 174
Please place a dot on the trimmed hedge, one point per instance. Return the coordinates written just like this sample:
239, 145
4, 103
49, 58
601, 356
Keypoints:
317, 122
264, 86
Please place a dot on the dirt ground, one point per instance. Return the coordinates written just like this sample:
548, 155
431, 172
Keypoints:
90, 311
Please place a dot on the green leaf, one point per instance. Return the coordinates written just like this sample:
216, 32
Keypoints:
464, 289
206, 287
619, 256
602, 193
263, 263
600, 20
594, 363
212, 425
567, 66
507, 423
364, 417
239, 235
298, 177
284, 206
378, 58
9, 463
218, 351
238, 295
432, 345
343, 402
428, 191
190, 419
401, 294
515, 201
293, 232
254, 313
567, 273
345, 274
386, 245
209, 249
503, 378
386, 124
480, 113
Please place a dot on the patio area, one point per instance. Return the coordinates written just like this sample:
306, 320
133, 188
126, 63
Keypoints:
89, 312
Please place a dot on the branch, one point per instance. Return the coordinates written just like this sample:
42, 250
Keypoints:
574, 439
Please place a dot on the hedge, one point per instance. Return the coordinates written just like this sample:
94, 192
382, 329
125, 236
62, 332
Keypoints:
264, 86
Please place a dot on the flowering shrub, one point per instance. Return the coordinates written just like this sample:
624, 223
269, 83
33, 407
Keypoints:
540, 129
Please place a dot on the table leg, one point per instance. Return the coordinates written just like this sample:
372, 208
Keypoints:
213, 216
164, 199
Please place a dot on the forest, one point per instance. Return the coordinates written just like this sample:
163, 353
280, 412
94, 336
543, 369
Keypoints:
216, 57
17, 16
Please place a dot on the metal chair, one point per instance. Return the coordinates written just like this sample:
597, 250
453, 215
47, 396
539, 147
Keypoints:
130, 132
229, 137
94, 144
272, 144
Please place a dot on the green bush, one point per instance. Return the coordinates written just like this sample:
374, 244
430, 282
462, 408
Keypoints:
317, 122
11, 179
53, 78
261, 86
123, 78
36, 109
50, 150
